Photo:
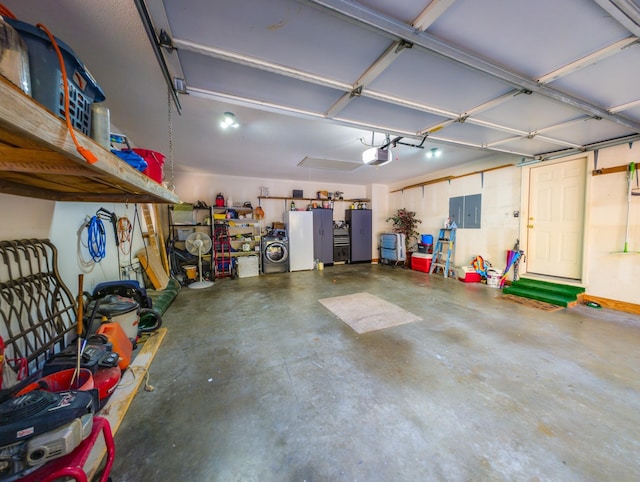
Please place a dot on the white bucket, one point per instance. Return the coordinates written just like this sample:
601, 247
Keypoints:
124, 311
493, 278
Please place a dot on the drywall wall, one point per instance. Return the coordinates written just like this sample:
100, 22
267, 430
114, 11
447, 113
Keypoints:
24, 217
194, 187
500, 190
65, 225
69, 233
609, 274
606, 273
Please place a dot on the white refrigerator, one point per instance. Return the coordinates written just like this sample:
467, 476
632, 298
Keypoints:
299, 226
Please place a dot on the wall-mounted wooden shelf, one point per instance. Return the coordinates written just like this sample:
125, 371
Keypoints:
280, 198
38, 159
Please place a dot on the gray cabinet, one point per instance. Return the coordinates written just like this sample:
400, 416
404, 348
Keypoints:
323, 235
360, 222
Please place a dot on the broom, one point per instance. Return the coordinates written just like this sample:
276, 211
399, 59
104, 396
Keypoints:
630, 171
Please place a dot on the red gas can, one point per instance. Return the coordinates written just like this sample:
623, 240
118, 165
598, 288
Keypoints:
121, 344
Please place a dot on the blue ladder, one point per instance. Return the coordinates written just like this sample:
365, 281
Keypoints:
446, 240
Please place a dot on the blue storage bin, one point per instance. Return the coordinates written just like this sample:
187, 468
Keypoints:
46, 77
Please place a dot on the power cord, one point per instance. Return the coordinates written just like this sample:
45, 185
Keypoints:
97, 239
124, 231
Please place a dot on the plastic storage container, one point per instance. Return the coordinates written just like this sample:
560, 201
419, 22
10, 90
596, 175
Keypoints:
421, 262
468, 274
248, 266
118, 309
46, 77
14, 59
493, 278
155, 163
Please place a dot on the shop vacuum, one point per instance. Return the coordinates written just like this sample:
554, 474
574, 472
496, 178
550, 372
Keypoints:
41, 426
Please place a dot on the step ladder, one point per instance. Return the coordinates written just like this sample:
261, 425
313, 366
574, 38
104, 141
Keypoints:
443, 252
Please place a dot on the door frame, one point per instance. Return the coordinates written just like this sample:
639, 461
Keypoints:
524, 216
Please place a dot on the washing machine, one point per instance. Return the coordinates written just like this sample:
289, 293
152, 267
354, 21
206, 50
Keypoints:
275, 252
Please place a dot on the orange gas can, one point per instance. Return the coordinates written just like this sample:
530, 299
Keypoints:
121, 344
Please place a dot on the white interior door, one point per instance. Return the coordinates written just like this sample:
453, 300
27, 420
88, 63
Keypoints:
555, 227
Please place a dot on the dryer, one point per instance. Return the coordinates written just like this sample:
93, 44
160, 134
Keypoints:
275, 253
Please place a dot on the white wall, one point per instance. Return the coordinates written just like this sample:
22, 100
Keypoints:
204, 187
23, 217
610, 275
607, 275
63, 224
500, 190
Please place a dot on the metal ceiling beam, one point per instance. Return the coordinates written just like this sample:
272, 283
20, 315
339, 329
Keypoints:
430, 14
422, 22
359, 13
450, 116
143, 11
625, 12
372, 73
259, 64
588, 60
538, 134
625, 106
376, 69
271, 107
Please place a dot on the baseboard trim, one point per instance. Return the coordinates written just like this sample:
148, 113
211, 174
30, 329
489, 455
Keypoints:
613, 304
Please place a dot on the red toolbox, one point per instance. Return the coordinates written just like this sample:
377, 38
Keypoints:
421, 262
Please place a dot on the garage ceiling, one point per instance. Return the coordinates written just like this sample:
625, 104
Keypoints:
320, 81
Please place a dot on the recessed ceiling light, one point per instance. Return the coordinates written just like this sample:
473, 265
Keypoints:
229, 120
433, 152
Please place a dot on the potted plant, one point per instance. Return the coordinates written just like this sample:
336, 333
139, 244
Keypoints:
405, 222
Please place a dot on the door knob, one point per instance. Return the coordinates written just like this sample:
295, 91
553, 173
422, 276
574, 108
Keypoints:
530, 225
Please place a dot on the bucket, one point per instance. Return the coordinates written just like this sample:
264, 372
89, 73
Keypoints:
61, 382
426, 239
155, 163
106, 381
124, 311
493, 278
190, 271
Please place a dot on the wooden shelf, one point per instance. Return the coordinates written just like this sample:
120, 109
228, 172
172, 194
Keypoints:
278, 198
38, 159
237, 254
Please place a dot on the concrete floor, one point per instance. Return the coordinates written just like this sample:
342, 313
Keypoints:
257, 381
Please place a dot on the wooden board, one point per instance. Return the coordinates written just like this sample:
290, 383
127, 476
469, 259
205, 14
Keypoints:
115, 410
152, 266
38, 159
